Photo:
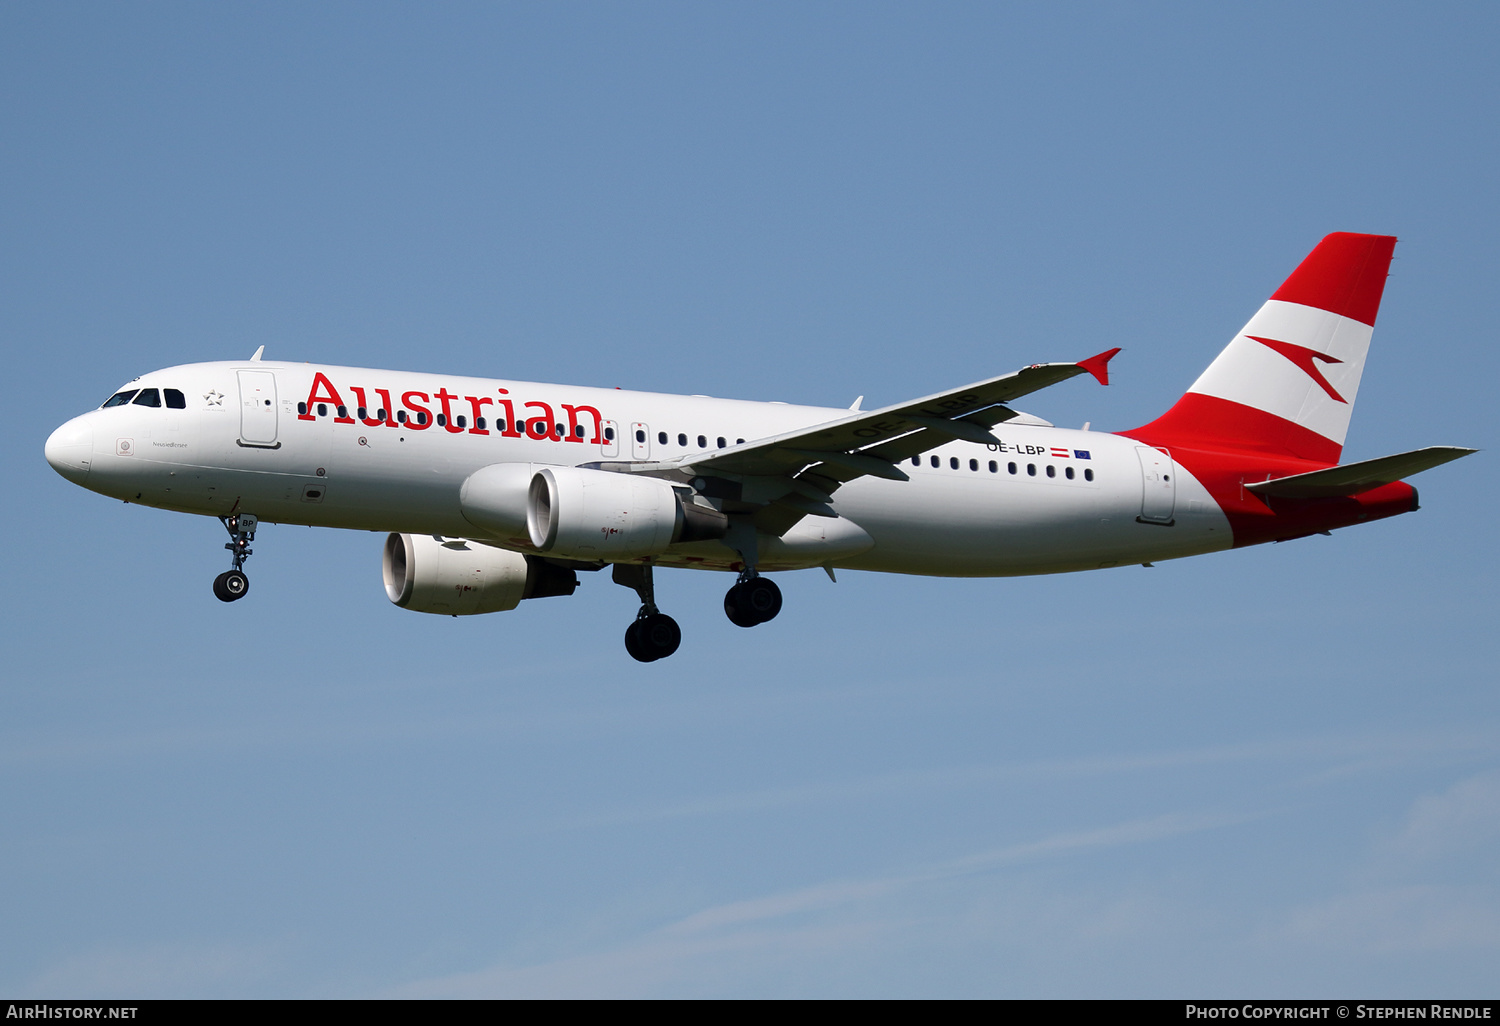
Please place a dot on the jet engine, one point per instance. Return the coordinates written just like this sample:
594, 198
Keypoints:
598, 514
459, 577
493, 499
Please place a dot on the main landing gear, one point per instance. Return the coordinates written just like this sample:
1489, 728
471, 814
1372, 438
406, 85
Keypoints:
654, 635
233, 584
754, 600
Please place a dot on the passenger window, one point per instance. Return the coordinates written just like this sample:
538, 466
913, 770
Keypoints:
916, 461
973, 464
401, 416
561, 432
1010, 467
148, 397
343, 413
739, 441
661, 437
422, 417
722, 443
640, 436
994, 467
442, 420
577, 430
1051, 470
1069, 472
682, 440
322, 409
461, 421
360, 413
953, 462
1031, 469
609, 434
936, 462
380, 415
479, 423
175, 399
1088, 474
118, 399
702, 442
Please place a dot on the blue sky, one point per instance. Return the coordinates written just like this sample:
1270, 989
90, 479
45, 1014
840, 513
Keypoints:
1267, 772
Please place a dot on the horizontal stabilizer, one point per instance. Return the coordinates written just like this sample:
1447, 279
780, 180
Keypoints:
1355, 478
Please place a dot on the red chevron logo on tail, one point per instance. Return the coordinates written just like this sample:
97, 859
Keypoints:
1303, 357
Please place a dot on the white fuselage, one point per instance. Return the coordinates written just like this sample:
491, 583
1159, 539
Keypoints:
249, 441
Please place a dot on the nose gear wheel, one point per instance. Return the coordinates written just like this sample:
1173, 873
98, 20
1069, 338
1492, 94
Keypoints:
231, 585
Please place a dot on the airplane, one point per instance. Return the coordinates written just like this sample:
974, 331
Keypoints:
493, 492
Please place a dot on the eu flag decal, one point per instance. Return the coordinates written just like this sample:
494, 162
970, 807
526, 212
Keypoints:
1082, 454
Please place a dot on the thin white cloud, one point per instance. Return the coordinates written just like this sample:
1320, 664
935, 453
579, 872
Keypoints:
1430, 885
1464, 817
1397, 920
852, 915
1350, 756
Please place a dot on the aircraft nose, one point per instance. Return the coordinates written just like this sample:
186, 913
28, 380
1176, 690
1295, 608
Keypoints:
70, 450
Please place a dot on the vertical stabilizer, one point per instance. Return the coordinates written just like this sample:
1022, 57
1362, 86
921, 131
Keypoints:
1287, 382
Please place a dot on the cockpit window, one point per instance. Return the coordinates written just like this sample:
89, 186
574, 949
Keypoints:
148, 397
118, 399
175, 399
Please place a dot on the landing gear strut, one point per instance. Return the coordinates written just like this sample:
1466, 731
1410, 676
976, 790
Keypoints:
654, 635
233, 584
752, 601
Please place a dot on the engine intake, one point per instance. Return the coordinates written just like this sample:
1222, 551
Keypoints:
457, 577
597, 514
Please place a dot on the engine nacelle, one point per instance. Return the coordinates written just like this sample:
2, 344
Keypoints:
493, 499
597, 514
456, 577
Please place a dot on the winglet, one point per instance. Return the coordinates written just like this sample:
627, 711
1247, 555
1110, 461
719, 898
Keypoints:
1098, 366
256, 357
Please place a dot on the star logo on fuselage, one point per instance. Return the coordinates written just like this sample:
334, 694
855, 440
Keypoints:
214, 397
1303, 357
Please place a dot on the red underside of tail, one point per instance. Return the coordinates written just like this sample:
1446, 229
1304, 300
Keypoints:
1226, 445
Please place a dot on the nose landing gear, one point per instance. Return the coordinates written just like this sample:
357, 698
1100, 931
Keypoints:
233, 584
654, 635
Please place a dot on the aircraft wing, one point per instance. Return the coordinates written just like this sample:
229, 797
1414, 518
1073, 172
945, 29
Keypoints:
790, 475
1354, 478
873, 442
